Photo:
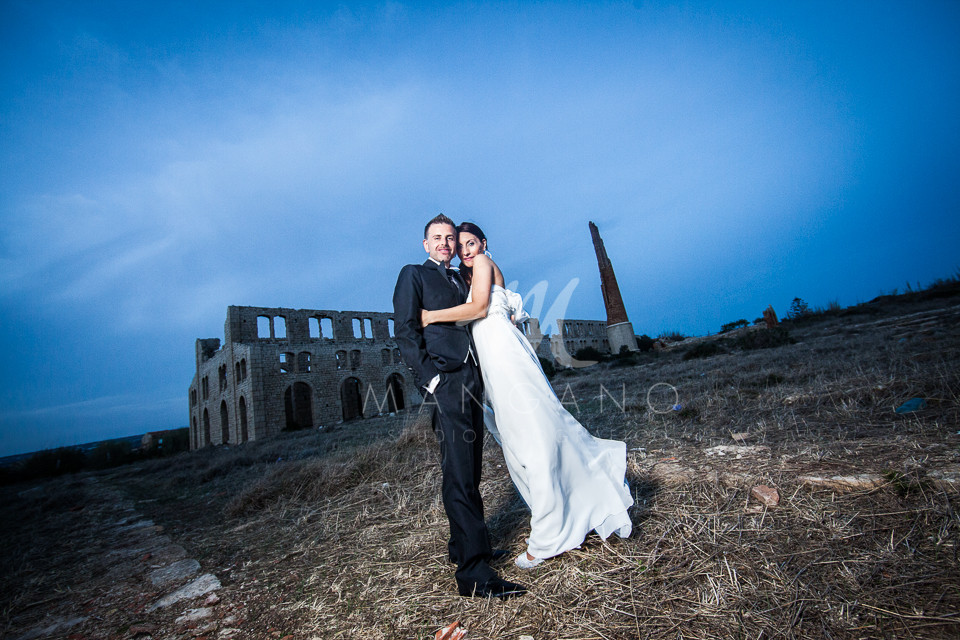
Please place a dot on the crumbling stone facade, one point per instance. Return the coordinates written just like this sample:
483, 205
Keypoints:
573, 335
292, 369
579, 334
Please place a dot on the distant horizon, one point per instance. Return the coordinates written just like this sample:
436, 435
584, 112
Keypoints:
83, 445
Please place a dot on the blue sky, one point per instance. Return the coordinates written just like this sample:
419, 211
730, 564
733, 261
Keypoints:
161, 161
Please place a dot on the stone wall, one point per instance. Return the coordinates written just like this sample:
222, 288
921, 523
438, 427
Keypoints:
578, 334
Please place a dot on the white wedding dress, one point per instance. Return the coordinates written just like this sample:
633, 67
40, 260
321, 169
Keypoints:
572, 481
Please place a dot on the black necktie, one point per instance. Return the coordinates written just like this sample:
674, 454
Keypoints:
452, 276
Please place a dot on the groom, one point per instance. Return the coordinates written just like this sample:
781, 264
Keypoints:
446, 372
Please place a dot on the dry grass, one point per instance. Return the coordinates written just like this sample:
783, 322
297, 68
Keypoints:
342, 534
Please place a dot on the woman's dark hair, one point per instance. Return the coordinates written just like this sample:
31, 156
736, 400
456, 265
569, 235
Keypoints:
468, 227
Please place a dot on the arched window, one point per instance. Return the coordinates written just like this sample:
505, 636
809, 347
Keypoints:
224, 423
356, 359
206, 428
303, 362
350, 401
341, 360
242, 409
395, 400
297, 406
264, 327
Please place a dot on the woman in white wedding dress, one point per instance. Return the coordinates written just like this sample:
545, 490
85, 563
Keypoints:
572, 481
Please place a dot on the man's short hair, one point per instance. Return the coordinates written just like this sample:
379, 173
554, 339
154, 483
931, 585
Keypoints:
439, 219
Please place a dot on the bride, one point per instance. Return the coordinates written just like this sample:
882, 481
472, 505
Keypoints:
572, 482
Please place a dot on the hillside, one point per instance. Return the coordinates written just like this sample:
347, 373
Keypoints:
341, 534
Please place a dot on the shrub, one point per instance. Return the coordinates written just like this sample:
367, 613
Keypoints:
111, 453
764, 339
626, 358
588, 353
672, 336
53, 462
704, 349
645, 343
548, 369
736, 324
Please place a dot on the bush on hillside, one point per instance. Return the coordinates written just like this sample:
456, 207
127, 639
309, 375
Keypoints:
764, 339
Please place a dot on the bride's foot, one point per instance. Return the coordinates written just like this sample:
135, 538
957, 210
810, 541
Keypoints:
527, 561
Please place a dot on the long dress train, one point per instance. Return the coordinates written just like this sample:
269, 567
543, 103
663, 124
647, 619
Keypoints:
572, 481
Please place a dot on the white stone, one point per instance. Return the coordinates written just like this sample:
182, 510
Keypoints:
174, 572
199, 587
192, 615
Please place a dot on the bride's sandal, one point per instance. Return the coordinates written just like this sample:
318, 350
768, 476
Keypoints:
524, 562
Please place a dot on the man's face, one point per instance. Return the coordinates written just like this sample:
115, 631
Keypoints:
441, 241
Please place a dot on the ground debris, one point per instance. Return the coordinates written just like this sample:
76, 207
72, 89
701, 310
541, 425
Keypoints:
850, 482
767, 496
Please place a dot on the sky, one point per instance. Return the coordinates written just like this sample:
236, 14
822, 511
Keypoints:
161, 161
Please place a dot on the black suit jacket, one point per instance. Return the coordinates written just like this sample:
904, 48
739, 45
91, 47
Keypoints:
438, 347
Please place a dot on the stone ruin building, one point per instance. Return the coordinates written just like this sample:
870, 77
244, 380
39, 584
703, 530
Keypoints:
578, 334
292, 369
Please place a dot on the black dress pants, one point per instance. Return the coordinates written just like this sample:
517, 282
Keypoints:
458, 423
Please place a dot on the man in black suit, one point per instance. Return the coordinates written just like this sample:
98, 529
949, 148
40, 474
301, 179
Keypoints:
445, 370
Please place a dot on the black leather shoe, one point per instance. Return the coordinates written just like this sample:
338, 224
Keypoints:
492, 588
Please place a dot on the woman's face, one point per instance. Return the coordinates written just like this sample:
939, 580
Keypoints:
469, 246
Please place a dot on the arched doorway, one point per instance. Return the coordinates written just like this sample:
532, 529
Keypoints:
350, 400
206, 429
297, 407
224, 423
395, 392
243, 419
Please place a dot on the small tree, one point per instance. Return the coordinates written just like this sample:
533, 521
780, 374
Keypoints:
588, 353
736, 324
798, 309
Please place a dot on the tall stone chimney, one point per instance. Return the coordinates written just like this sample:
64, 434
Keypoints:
619, 329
